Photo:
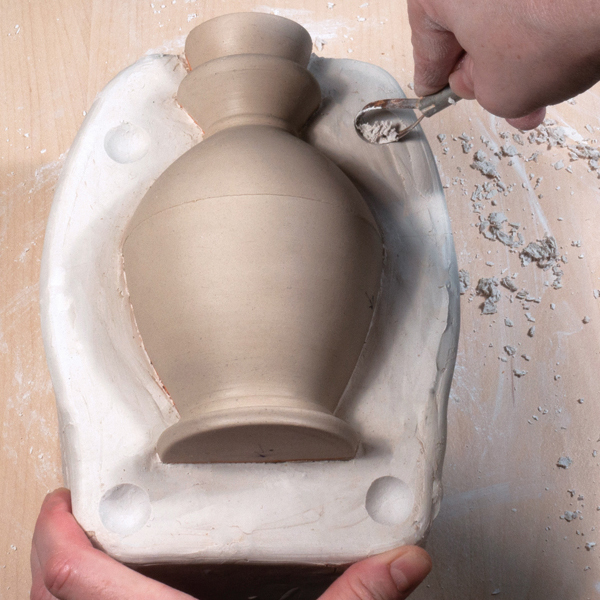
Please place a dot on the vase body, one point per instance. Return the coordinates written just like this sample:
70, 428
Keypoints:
253, 263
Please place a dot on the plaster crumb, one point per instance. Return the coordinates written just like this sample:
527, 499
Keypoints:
548, 134
488, 287
580, 400
510, 350
519, 372
467, 147
564, 462
509, 283
544, 252
522, 294
596, 294
556, 377
585, 320
361, 19
485, 167
569, 516
330, 5
530, 317
531, 331
441, 137
527, 358
590, 545
559, 165
492, 229
508, 150
464, 281
552, 306
508, 322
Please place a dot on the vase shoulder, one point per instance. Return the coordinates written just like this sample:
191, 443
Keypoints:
252, 160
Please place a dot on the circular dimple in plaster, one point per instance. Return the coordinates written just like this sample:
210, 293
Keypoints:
126, 143
389, 501
125, 508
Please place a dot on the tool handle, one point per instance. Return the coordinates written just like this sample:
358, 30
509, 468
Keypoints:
430, 105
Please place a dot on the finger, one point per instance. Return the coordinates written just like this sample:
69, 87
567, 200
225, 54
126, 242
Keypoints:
72, 569
38, 588
530, 121
389, 576
435, 49
461, 79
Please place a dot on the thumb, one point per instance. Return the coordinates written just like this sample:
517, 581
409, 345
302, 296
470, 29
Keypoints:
435, 50
392, 575
461, 79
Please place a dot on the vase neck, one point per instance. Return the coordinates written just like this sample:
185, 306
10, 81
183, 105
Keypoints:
249, 69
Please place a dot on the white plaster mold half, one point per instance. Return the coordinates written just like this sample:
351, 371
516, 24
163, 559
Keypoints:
112, 407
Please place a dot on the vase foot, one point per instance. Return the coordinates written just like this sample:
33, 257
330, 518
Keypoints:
258, 434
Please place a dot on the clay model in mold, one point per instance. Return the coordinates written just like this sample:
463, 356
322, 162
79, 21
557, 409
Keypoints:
253, 263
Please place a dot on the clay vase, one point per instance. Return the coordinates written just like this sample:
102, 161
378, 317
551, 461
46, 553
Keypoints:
253, 263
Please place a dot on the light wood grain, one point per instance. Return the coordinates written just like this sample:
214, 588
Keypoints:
503, 488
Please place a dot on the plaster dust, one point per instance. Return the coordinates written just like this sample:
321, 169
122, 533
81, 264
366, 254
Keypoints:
109, 397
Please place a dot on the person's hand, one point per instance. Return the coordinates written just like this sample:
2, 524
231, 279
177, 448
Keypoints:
514, 56
66, 566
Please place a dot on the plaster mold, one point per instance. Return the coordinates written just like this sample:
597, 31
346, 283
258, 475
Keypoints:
113, 408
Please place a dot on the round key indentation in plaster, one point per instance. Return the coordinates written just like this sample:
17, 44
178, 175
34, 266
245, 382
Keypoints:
389, 501
125, 508
126, 143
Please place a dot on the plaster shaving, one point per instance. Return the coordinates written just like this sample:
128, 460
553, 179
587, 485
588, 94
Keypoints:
564, 462
492, 229
464, 281
382, 132
488, 288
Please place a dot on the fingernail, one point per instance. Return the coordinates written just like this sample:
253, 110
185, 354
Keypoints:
410, 569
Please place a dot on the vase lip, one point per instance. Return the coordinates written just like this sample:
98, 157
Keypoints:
248, 33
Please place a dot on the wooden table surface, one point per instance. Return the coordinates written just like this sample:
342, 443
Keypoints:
500, 530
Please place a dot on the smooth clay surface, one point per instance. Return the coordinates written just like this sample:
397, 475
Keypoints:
112, 407
253, 264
